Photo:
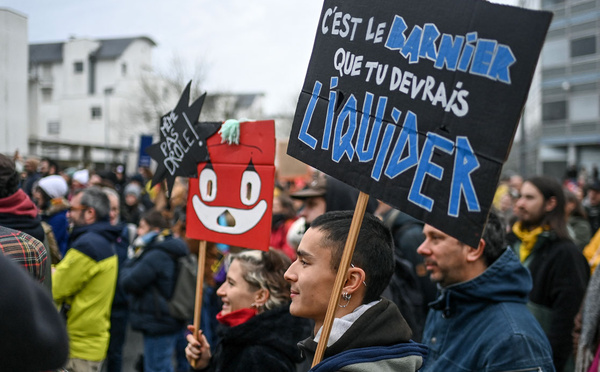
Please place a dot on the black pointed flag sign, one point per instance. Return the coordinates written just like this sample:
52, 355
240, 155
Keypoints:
417, 102
182, 142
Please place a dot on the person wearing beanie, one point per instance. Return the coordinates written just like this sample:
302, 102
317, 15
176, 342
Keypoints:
132, 209
49, 196
80, 180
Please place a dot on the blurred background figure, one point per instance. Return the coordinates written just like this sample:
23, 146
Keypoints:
31, 175
132, 208
284, 215
592, 206
48, 167
410, 288
577, 222
149, 278
49, 196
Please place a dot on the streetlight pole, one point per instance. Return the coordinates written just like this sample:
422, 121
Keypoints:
107, 93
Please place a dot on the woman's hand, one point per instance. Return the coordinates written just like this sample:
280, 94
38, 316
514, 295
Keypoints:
197, 351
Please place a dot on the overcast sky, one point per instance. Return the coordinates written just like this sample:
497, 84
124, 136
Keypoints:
245, 46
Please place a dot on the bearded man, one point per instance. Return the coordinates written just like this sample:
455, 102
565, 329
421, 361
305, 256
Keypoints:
559, 270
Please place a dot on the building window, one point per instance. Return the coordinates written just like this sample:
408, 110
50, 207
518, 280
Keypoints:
46, 94
123, 68
553, 53
54, 127
584, 107
583, 46
46, 73
554, 111
551, 3
96, 112
78, 67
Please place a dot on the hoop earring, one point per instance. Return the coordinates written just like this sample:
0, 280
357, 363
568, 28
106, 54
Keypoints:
346, 297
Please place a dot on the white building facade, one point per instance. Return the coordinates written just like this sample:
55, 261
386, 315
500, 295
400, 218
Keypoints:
80, 93
13, 82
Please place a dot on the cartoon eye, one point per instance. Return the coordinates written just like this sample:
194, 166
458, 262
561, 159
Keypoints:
250, 187
208, 184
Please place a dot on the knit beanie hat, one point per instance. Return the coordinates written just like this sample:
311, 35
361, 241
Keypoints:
82, 176
55, 186
133, 189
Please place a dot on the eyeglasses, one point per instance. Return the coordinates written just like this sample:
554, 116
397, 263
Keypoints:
80, 208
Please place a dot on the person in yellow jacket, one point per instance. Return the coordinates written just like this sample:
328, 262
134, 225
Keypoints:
83, 283
592, 251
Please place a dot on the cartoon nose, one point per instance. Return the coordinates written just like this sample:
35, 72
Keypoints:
226, 219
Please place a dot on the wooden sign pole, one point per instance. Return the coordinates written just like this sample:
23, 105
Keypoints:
359, 212
199, 288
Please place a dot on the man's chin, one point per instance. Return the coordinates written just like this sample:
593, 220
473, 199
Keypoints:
294, 310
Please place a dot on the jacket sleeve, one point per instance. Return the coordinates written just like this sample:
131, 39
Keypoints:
71, 274
519, 351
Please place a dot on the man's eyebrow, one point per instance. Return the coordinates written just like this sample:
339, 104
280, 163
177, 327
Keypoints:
303, 254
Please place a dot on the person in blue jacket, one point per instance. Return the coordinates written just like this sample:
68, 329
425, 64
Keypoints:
149, 278
480, 321
49, 196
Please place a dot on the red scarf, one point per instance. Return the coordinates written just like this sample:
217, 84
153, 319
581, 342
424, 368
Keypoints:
237, 317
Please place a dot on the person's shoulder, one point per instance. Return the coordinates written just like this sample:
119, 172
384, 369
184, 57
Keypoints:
17, 242
565, 250
93, 245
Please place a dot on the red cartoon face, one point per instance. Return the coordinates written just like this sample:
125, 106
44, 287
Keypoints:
231, 200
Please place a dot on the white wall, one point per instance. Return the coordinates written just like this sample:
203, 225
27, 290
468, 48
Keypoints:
13, 82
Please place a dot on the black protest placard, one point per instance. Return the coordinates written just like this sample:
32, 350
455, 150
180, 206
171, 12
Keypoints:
417, 102
182, 143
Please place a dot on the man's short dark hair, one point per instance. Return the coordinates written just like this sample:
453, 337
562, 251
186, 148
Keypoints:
95, 198
51, 164
374, 252
9, 177
155, 219
494, 236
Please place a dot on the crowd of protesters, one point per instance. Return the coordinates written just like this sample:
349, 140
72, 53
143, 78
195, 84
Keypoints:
110, 244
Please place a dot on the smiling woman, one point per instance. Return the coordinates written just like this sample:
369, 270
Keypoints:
257, 331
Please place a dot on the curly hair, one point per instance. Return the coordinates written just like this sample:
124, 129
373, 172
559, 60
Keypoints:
264, 270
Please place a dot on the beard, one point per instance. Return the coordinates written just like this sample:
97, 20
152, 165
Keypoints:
531, 221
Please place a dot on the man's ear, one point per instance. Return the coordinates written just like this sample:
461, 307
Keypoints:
261, 296
550, 204
355, 278
473, 254
90, 215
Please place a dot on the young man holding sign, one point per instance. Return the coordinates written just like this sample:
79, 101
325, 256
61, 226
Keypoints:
367, 329
480, 321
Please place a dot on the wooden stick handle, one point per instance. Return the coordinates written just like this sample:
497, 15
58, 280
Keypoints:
199, 288
359, 213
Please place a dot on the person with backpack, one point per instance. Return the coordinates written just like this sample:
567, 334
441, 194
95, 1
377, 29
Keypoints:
149, 278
